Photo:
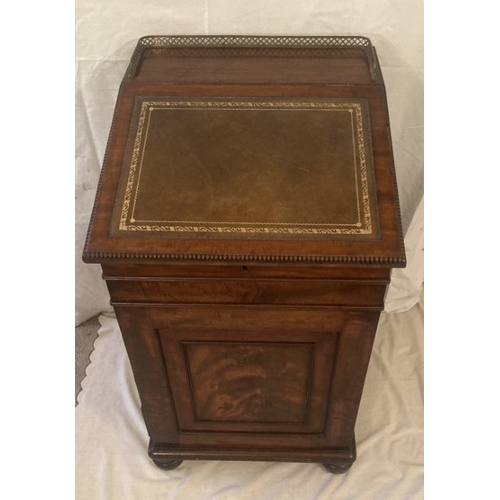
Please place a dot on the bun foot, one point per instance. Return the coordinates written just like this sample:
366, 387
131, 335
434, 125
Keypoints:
337, 468
167, 464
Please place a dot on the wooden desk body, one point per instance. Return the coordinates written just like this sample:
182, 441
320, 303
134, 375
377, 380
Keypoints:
246, 223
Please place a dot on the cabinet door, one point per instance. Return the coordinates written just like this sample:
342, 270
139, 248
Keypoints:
235, 380
255, 375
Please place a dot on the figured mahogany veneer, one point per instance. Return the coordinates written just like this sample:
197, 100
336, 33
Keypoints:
246, 222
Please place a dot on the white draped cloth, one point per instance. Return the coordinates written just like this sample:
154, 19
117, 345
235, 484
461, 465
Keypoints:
111, 439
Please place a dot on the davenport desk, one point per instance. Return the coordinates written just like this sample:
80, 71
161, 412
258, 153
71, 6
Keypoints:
246, 222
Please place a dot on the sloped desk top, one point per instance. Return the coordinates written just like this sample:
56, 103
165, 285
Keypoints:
270, 170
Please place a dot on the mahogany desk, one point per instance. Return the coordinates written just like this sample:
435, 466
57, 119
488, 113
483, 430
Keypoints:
246, 222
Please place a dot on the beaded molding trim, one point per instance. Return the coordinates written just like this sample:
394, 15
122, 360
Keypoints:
102, 256
253, 42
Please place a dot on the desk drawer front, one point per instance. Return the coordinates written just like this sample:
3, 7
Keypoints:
241, 291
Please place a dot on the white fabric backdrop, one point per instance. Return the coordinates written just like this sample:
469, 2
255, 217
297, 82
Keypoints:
107, 32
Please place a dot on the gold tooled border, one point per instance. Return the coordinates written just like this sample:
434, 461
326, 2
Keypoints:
362, 227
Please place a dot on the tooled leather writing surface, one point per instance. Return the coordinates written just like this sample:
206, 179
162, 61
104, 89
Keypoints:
246, 167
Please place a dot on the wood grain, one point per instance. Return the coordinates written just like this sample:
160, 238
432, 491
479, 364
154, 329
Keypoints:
250, 348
